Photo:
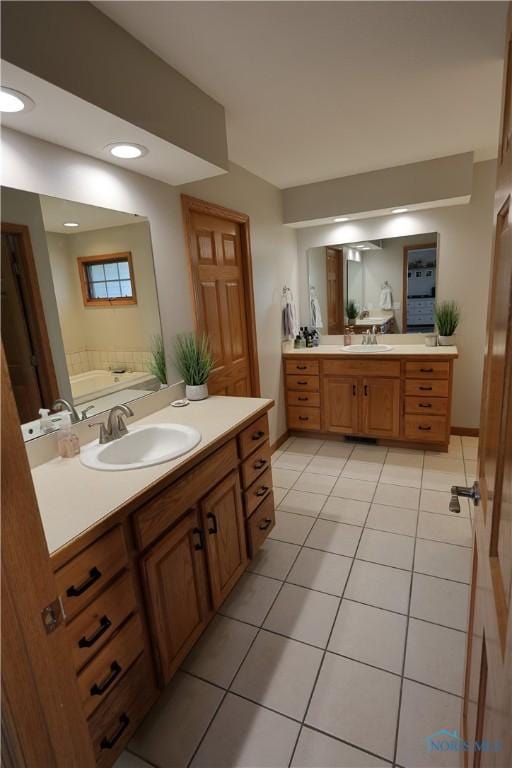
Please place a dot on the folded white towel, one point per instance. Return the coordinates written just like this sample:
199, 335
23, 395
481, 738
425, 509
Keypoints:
316, 314
386, 298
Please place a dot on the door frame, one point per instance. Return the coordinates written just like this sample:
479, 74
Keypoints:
192, 205
341, 296
36, 321
405, 263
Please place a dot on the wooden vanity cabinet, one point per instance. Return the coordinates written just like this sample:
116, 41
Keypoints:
380, 412
341, 405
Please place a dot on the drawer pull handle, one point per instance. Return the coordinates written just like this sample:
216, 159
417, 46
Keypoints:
303, 399
94, 575
262, 490
211, 516
425, 389
265, 524
200, 543
424, 429
425, 405
88, 642
354, 390
98, 689
302, 367
302, 383
366, 390
124, 722
259, 464
258, 435
426, 370
303, 418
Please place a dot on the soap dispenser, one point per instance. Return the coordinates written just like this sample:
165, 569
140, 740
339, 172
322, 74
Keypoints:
68, 443
45, 422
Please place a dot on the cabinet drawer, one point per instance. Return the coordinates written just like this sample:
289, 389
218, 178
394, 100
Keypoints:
305, 382
300, 417
114, 723
427, 370
89, 572
427, 405
253, 466
426, 428
252, 437
260, 524
96, 624
361, 367
164, 510
302, 366
308, 399
257, 492
108, 667
431, 388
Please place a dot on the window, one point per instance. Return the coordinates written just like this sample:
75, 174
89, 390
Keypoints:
107, 280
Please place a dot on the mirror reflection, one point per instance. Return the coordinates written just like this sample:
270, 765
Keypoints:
80, 319
388, 283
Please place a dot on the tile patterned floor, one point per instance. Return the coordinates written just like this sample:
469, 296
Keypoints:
343, 645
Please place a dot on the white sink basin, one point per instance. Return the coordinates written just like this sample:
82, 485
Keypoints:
371, 320
371, 349
143, 446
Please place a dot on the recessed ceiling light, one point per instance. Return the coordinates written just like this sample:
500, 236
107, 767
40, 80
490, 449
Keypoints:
14, 101
399, 210
339, 219
126, 151
71, 224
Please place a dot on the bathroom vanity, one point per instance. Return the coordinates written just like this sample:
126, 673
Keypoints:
402, 395
143, 558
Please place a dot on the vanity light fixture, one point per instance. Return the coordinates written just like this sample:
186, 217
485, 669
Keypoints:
399, 210
71, 224
126, 151
340, 219
14, 101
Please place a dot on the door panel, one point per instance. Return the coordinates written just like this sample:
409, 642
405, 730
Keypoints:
334, 268
381, 407
340, 404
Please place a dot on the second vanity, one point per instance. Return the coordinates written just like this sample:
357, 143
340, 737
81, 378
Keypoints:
401, 395
143, 558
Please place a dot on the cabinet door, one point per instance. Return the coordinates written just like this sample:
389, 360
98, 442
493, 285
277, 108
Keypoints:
177, 595
226, 547
340, 404
381, 407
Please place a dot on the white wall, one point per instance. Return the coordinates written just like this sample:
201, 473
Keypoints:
465, 240
317, 271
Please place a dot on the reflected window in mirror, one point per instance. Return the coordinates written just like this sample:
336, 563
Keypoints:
107, 279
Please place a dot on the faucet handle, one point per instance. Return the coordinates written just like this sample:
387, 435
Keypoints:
83, 414
104, 436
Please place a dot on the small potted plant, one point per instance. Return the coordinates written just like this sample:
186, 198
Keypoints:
351, 310
158, 365
447, 314
194, 361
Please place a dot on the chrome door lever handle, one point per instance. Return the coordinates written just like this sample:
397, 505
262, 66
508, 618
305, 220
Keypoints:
473, 492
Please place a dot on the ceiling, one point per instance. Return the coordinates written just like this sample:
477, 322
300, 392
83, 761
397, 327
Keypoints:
317, 90
56, 211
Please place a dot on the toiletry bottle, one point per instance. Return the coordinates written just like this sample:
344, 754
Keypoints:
302, 339
68, 443
309, 338
347, 338
45, 422
296, 343
316, 338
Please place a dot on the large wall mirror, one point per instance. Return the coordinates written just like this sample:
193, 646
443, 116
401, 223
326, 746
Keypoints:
80, 317
389, 283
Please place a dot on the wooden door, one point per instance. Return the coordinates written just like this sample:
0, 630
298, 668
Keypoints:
340, 404
380, 407
43, 723
219, 249
487, 711
177, 592
334, 270
226, 546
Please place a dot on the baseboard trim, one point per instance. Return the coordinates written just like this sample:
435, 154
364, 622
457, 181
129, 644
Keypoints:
466, 431
279, 442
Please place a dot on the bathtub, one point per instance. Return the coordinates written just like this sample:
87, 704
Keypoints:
85, 386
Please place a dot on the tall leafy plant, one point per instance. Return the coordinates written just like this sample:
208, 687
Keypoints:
447, 315
351, 309
158, 365
193, 358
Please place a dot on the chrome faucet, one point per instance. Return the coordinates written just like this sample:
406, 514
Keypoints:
115, 426
373, 337
63, 405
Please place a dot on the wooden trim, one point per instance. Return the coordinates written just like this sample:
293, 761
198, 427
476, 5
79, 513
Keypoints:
84, 261
405, 261
466, 431
42, 719
194, 205
36, 319
280, 441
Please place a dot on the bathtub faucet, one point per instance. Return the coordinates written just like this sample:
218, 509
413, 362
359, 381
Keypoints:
63, 405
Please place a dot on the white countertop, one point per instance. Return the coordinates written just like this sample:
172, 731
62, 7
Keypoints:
72, 498
397, 349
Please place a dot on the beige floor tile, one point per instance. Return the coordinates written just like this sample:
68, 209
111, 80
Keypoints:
291, 528
336, 450
471, 467
320, 570
279, 673
424, 662
284, 478
173, 728
326, 465
386, 548
127, 760
333, 537
303, 614
373, 700
404, 458
441, 601
423, 712
251, 598
441, 481
392, 519
303, 503
220, 651
313, 483
308, 445
349, 488
397, 496
446, 561
454, 450
290, 460
362, 470
410, 477
279, 494
379, 585
244, 735
438, 502
375, 453
357, 628
274, 559
275, 456
451, 530
345, 510
444, 464
316, 750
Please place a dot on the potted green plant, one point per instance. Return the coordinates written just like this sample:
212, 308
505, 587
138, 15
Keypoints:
351, 310
158, 365
447, 316
194, 361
